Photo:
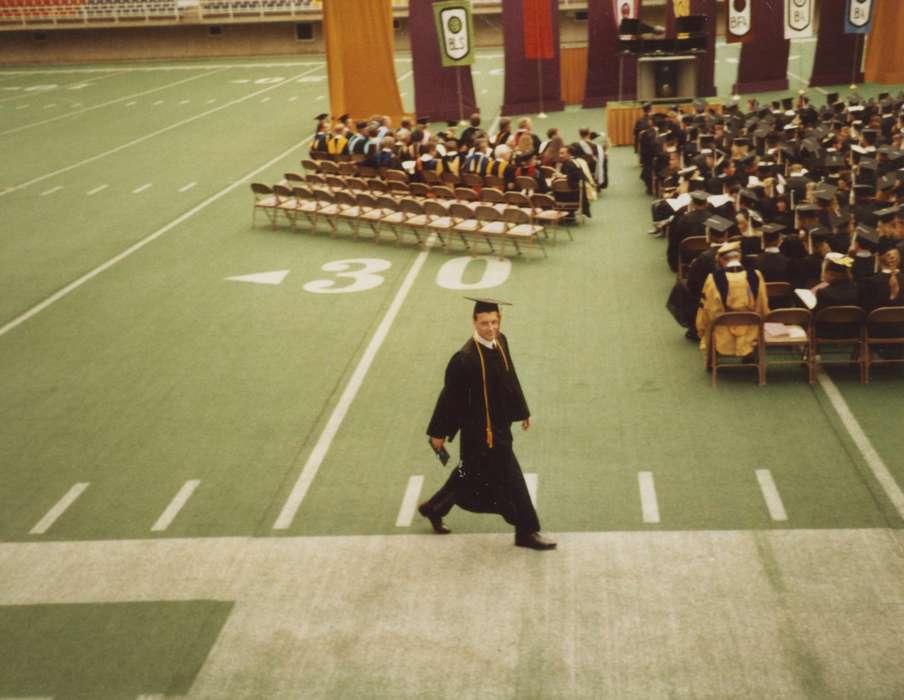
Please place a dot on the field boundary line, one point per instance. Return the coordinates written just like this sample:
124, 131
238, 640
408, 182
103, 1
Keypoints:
106, 104
146, 137
38, 93
315, 459
75, 284
873, 460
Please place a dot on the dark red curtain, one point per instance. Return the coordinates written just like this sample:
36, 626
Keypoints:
435, 87
531, 85
764, 59
602, 59
837, 53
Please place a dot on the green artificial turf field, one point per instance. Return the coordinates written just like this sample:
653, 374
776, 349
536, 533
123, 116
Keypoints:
156, 411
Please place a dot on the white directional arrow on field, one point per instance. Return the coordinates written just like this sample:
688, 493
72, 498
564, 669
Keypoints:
275, 277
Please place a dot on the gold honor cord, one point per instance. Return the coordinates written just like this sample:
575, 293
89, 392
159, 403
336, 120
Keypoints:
483, 375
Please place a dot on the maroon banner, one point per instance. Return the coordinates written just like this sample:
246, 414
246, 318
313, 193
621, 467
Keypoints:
436, 89
764, 63
531, 86
538, 41
838, 55
609, 77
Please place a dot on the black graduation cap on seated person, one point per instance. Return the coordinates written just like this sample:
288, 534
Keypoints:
343, 118
818, 233
886, 182
485, 305
718, 223
886, 215
825, 194
321, 117
773, 229
700, 196
807, 209
749, 196
423, 121
867, 236
861, 190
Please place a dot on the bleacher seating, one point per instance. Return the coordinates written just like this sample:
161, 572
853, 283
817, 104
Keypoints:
86, 11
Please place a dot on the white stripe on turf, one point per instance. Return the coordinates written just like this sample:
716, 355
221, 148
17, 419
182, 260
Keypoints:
51, 190
531, 480
105, 104
99, 188
144, 138
409, 501
648, 500
54, 513
186, 188
142, 188
873, 460
771, 495
176, 505
75, 284
315, 459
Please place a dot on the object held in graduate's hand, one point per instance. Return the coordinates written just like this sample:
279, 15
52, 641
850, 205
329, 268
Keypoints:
442, 453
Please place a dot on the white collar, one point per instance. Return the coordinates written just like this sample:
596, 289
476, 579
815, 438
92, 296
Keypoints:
863, 254
489, 344
772, 249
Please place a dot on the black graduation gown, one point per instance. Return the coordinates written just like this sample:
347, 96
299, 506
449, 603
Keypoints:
839, 294
488, 479
775, 267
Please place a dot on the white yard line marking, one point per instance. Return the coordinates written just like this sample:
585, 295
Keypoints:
23, 106
50, 106
873, 460
531, 480
178, 502
293, 98
266, 99
142, 188
315, 459
170, 67
99, 188
211, 101
405, 75
771, 495
108, 103
158, 102
186, 188
144, 138
54, 513
51, 190
184, 102
648, 497
131, 104
318, 98
409, 501
75, 284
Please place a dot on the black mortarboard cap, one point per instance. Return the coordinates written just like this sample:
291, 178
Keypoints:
749, 195
423, 120
772, 229
342, 117
887, 214
321, 117
862, 190
700, 196
825, 193
788, 103
831, 98
886, 182
807, 208
484, 305
818, 233
718, 223
452, 123
867, 236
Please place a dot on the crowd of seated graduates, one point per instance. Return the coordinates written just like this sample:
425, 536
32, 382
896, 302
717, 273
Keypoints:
785, 192
513, 151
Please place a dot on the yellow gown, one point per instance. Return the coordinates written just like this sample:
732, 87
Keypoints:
731, 340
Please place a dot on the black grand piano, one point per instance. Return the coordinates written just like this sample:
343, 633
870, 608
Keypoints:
666, 66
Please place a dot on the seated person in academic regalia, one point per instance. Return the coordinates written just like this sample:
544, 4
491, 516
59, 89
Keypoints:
748, 227
887, 228
337, 143
572, 171
809, 269
883, 288
427, 161
479, 158
526, 166
690, 223
472, 131
717, 230
866, 244
321, 135
731, 288
358, 141
387, 157
501, 166
836, 289
775, 266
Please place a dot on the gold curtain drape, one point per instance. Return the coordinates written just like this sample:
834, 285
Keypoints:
573, 67
885, 45
359, 54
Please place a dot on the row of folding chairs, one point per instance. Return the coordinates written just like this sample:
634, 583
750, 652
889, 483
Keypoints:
419, 220
399, 180
838, 335
542, 208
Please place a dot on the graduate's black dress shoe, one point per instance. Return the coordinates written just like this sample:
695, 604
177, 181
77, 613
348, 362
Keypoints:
534, 541
436, 521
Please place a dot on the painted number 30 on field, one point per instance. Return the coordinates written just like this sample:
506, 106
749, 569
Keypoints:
361, 274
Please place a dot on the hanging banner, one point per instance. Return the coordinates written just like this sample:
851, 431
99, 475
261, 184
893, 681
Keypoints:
625, 9
681, 8
798, 19
737, 19
538, 29
858, 17
455, 31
